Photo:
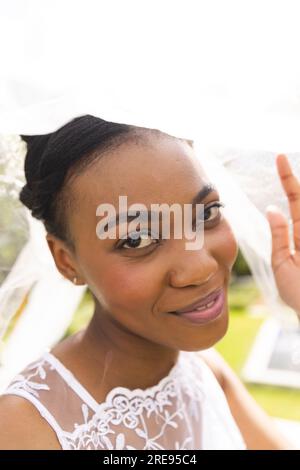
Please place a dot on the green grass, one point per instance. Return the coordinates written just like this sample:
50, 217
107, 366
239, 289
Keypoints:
234, 347
239, 338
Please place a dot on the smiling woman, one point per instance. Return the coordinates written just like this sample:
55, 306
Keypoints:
135, 377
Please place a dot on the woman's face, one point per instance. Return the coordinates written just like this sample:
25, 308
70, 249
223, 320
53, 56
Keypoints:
138, 285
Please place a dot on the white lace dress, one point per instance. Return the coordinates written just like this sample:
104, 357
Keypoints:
185, 410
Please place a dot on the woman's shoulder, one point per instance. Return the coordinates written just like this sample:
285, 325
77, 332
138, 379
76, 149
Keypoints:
22, 426
30, 403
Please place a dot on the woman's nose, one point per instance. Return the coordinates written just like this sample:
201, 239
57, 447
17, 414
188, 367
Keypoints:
193, 268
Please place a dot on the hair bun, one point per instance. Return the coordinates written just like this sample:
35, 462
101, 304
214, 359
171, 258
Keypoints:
37, 141
26, 196
36, 145
28, 138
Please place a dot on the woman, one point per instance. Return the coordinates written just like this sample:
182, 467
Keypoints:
134, 378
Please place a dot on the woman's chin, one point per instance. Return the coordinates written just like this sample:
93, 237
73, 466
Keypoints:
205, 335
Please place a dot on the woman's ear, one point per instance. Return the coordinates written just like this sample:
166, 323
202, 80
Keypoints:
63, 258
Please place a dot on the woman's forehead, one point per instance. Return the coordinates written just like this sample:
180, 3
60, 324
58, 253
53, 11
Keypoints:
144, 173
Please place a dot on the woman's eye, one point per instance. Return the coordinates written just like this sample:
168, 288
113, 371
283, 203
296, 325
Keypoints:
212, 212
143, 240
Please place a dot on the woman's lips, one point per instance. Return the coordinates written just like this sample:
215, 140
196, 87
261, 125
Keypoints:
205, 314
201, 302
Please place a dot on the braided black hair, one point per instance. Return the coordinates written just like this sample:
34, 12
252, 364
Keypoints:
52, 158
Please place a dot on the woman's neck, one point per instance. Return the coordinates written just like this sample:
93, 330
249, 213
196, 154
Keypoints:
105, 355
126, 358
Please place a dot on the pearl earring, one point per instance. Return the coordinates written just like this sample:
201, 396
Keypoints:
75, 280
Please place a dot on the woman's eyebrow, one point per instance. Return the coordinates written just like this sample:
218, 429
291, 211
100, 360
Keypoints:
203, 193
114, 221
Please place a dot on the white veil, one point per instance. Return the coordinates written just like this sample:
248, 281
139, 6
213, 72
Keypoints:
186, 68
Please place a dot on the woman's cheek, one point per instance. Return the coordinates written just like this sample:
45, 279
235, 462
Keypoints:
129, 287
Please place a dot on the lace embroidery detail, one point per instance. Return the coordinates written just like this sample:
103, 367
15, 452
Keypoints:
26, 381
133, 410
165, 416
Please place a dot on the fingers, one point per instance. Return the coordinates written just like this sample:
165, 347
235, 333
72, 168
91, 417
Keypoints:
291, 186
280, 236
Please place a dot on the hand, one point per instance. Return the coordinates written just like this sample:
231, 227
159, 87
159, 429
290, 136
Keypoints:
285, 263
